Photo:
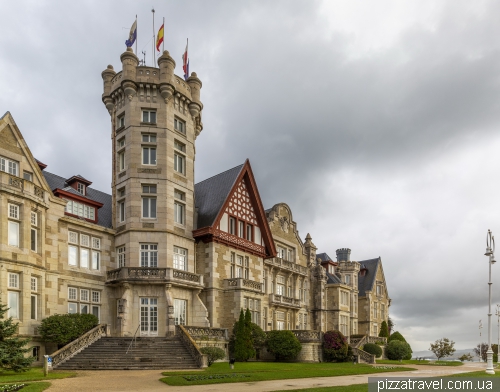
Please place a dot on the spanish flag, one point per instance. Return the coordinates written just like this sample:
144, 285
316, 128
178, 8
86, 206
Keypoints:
159, 38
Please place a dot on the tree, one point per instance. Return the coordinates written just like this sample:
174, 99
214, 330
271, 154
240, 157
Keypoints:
466, 357
335, 346
483, 349
13, 350
283, 344
243, 344
213, 354
443, 348
64, 328
384, 330
398, 350
390, 325
374, 349
398, 337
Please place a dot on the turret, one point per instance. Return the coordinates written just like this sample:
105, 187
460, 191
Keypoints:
195, 84
129, 64
167, 66
107, 76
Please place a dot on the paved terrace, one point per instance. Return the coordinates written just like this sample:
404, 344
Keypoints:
148, 380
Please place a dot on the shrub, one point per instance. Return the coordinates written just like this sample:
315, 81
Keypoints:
64, 328
335, 347
283, 344
397, 336
242, 349
213, 354
384, 330
398, 350
374, 349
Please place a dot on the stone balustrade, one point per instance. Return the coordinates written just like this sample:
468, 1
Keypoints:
287, 265
375, 339
288, 302
190, 344
207, 333
21, 185
152, 275
305, 336
243, 284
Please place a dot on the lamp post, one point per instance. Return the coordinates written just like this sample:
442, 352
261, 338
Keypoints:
497, 313
490, 249
480, 342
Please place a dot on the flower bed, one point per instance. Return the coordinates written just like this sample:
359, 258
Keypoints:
11, 387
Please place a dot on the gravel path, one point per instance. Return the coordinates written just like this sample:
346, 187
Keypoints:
148, 380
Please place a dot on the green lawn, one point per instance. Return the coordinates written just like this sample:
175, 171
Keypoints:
417, 362
262, 371
34, 374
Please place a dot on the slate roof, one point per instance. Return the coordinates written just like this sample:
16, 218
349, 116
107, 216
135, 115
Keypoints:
323, 257
332, 278
366, 282
105, 212
211, 194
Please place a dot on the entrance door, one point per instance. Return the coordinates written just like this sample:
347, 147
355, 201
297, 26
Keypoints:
149, 316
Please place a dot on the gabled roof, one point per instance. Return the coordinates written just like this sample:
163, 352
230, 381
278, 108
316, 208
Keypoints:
211, 194
332, 278
366, 282
105, 212
323, 257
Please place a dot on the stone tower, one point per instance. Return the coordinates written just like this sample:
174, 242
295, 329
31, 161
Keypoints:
156, 117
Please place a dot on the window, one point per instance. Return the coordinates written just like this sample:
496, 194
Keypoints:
149, 116
121, 160
149, 189
239, 266
375, 329
149, 138
179, 208
348, 279
84, 240
72, 308
344, 298
149, 255
72, 293
281, 252
149, 156
179, 125
84, 258
28, 176
241, 229
96, 296
180, 258
149, 207
232, 225
280, 320
121, 211
121, 192
249, 233
34, 298
13, 211
253, 305
382, 311
72, 237
34, 232
180, 306
13, 304
13, 233
121, 143
84, 295
121, 121
9, 166
35, 352
96, 311
246, 270
79, 209
121, 256
290, 287
280, 285
96, 243
80, 188
72, 255
375, 310
96, 260
13, 280
331, 269
344, 324
179, 159
34, 284
233, 267
380, 290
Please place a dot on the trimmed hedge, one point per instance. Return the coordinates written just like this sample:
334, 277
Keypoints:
213, 354
283, 344
398, 350
64, 328
373, 348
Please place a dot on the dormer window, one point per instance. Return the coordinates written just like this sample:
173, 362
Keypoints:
80, 188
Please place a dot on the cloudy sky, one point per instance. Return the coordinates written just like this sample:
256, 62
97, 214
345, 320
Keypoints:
376, 121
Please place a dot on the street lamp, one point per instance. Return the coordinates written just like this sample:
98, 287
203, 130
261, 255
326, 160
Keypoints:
490, 249
497, 313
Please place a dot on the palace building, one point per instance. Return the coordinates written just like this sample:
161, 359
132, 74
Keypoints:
158, 250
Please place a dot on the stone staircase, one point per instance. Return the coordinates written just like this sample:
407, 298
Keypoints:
109, 353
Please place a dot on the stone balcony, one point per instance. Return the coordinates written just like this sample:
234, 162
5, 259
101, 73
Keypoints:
18, 184
243, 284
286, 265
150, 275
281, 300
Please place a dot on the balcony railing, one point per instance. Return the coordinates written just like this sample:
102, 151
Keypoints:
20, 184
287, 265
244, 284
238, 241
288, 302
152, 275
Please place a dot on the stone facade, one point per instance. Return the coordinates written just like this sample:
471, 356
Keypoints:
160, 258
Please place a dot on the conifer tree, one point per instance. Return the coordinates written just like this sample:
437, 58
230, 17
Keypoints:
12, 349
384, 330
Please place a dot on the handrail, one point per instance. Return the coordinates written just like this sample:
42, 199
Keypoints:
133, 339
78, 345
190, 344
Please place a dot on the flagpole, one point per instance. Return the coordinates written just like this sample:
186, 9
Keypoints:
163, 33
154, 36
136, 35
